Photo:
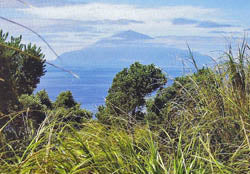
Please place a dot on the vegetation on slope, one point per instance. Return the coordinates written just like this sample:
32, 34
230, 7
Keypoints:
200, 124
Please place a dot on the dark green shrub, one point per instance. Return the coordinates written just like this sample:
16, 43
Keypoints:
35, 110
65, 99
44, 98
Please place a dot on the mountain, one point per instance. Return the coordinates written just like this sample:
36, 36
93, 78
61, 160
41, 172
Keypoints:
124, 48
131, 35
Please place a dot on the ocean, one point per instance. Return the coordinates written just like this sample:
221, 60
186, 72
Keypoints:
92, 86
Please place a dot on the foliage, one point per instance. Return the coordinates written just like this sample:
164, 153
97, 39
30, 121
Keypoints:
21, 67
181, 94
65, 99
44, 98
73, 114
103, 116
130, 87
200, 124
68, 109
35, 109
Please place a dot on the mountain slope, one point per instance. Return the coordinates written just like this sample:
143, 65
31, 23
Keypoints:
125, 48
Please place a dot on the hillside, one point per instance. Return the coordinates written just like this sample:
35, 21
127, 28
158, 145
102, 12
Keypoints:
124, 48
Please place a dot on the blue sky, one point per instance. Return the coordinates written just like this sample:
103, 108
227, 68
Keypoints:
74, 24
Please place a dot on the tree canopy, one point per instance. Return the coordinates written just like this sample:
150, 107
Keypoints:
131, 86
21, 67
181, 94
65, 99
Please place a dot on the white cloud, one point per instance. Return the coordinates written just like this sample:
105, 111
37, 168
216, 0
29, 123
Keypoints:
99, 11
9, 4
14, 4
154, 21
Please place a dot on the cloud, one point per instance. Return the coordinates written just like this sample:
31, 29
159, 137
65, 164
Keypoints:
65, 26
82, 24
183, 21
225, 32
115, 22
112, 18
44, 3
209, 45
112, 22
211, 24
199, 24
33, 3
10, 4
101, 11
74, 26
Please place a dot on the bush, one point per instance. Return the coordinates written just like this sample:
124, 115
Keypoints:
35, 110
65, 99
74, 114
68, 110
44, 99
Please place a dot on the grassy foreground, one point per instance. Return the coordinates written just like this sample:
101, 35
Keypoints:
209, 134
97, 148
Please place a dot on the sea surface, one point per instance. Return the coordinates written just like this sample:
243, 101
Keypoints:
92, 86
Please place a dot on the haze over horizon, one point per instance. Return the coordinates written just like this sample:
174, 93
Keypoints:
70, 25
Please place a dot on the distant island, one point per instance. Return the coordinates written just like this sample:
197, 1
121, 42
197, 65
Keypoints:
126, 47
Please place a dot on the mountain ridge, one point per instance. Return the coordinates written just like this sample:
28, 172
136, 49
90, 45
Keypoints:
126, 47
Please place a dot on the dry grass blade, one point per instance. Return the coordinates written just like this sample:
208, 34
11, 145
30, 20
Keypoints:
23, 26
49, 46
35, 57
11, 118
195, 135
192, 58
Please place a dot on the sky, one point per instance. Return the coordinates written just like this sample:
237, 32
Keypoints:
68, 25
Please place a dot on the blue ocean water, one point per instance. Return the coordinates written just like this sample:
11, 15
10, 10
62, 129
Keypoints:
90, 89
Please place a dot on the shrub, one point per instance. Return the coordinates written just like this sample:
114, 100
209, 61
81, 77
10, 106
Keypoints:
44, 99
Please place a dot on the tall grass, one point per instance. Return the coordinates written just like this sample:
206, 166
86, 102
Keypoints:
209, 134
96, 148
